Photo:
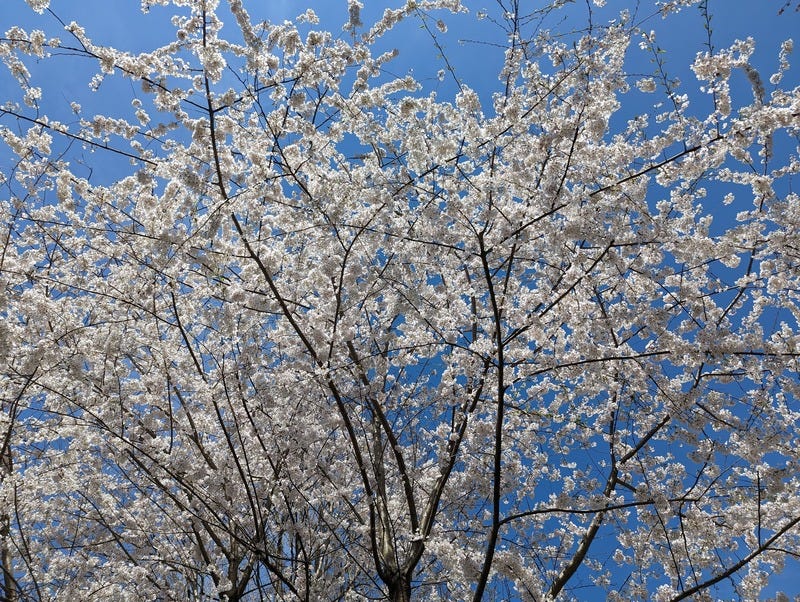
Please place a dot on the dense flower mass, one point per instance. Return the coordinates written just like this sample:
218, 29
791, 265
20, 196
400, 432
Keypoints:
283, 320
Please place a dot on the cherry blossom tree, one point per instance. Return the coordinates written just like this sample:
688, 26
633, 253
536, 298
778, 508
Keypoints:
286, 325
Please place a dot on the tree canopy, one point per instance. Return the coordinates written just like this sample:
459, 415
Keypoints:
286, 319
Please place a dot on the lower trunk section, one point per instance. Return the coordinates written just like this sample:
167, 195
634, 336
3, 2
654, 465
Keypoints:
400, 589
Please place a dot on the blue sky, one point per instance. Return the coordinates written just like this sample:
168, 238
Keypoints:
468, 45
468, 42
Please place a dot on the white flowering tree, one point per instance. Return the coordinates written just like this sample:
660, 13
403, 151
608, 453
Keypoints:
281, 325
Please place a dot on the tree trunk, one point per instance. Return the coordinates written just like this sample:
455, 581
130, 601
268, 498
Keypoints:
9, 588
400, 589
